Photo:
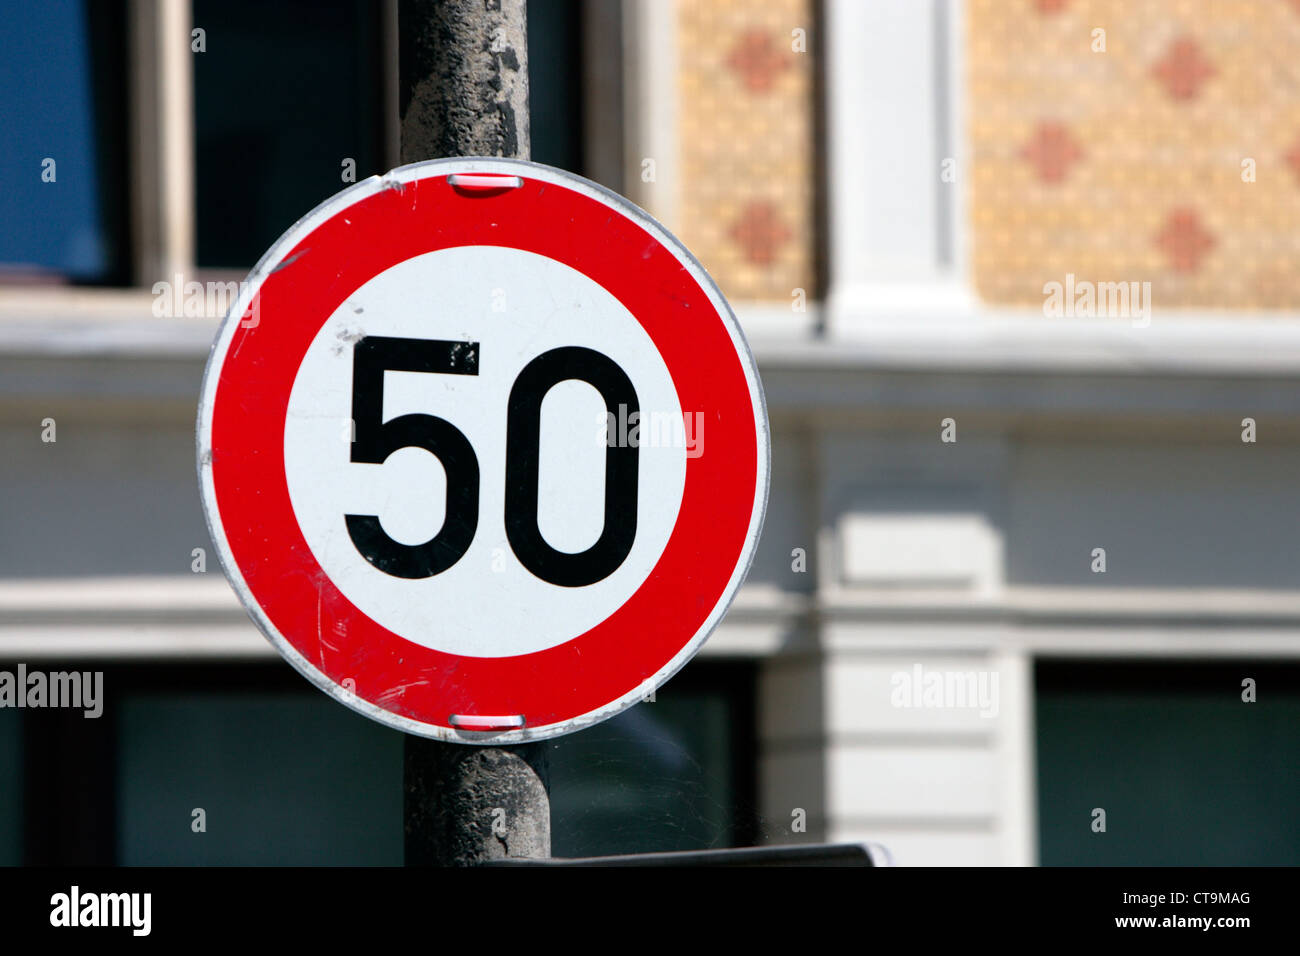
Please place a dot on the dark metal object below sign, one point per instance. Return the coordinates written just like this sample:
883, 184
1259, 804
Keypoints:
818, 854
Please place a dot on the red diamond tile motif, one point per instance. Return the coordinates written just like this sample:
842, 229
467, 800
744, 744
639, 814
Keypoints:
1050, 6
757, 60
1183, 69
1051, 150
1292, 155
760, 233
1184, 240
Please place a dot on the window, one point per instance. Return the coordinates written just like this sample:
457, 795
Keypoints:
288, 110
285, 775
673, 774
183, 136
555, 59
63, 165
1186, 771
11, 757
282, 777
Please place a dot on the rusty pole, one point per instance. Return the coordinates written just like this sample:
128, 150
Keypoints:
463, 85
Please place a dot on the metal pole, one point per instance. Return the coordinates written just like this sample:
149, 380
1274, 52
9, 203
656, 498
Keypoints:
463, 70
463, 67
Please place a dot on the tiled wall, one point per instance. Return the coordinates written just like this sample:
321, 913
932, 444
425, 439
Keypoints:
1131, 163
745, 137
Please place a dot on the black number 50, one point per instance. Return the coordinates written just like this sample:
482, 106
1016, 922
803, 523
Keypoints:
376, 439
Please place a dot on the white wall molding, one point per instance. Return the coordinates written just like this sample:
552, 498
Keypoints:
650, 91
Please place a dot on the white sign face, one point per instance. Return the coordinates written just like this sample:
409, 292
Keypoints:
487, 604
483, 450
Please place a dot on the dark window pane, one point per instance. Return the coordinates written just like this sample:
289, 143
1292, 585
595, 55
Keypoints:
284, 779
11, 782
284, 93
1188, 773
286, 775
672, 774
61, 69
555, 83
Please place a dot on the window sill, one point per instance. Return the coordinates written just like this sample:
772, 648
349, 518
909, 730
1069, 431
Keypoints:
893, 329
87, 322
936, 328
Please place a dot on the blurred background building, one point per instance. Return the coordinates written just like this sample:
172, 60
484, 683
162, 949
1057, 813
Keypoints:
1065, 506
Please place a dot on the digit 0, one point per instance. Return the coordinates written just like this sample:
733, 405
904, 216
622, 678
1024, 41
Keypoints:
523, 449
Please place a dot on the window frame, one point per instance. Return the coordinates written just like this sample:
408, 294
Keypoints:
932, 314
161, 206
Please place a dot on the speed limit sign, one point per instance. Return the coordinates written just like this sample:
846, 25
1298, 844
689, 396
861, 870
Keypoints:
483, 450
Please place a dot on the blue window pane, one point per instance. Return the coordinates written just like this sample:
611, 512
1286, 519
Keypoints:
63, 134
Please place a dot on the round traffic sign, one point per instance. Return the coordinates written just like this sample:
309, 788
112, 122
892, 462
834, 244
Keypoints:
483, 450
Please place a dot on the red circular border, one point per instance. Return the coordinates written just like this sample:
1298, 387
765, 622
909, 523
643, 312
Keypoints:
249, 410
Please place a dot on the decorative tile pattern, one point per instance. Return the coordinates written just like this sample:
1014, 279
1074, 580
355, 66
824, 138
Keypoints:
1184, 240
758, 60
745, 140
1292, 157
1051, 151
1183, 69
1172, 157
760, 233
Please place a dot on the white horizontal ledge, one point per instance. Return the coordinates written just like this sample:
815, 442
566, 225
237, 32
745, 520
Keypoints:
137, 642
941, 326
906, 327
1239, 347
1068, 606
920, 640
129, 337
144, 595
200, 616
205, 596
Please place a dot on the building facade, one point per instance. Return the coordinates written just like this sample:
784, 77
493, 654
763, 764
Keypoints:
1016, 274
